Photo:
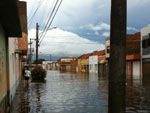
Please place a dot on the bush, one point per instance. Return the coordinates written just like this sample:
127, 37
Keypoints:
38, 74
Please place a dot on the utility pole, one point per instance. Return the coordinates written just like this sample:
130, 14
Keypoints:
37, 41
117, 62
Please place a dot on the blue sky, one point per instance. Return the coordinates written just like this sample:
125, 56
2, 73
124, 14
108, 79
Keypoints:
87, 21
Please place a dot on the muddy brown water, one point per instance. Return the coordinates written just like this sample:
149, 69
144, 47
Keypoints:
77, 93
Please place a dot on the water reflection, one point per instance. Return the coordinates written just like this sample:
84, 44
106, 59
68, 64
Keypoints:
137, 91
67, 93
79, 93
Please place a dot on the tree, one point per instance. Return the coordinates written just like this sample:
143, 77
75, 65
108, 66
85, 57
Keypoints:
117, 62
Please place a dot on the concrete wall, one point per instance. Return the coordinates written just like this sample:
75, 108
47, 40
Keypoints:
133, 69
13, 67
3, 73
136, 70
93, 64
107, 48
103, 70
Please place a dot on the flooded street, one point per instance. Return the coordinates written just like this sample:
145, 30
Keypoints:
77, 93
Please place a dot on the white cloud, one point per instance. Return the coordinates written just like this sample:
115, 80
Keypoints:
106, 34
132, 29
60, 42
101, 26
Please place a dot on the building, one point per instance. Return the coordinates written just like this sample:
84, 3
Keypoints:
74, 66
103, 64
145, 42
54, 65
17, 50
9, 27
107, 47
46, 65
13, 67
65, 64
22, 41
133, 57
83, 63
94, 61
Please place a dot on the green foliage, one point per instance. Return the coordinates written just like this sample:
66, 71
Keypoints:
39, 61
38, 74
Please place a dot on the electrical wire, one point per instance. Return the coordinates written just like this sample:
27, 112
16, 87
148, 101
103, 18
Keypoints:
47, 15
51, 21
39, 4
32, 17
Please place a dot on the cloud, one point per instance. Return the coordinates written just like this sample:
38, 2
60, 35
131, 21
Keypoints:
106, 34
60, 42
132, 29
97, 33
99, 27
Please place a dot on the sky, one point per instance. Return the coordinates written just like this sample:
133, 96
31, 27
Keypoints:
82, 25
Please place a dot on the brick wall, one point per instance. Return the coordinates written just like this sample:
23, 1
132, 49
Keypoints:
73, 66
133, 44
23, 41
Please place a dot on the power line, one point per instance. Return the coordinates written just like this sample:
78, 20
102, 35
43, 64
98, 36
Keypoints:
39, 4
32, 8
32, 17
48, 13
51, 21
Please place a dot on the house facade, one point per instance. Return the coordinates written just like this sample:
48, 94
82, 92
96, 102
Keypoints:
9, 27
65, 64
22, 41
13, 67
74, 66
93, 64
133, 55
46, 65
17, 51
103, 65
145, 42
94, 61
83, 63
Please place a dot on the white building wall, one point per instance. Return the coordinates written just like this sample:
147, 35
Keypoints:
136, 70
13, 67
93, 64
107, 44
45, 64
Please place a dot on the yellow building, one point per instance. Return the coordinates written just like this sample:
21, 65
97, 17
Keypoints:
83, 63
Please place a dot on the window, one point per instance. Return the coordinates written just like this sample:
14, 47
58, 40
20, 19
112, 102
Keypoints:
108, 49
148, 42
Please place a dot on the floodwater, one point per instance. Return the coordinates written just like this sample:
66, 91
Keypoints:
77, 93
